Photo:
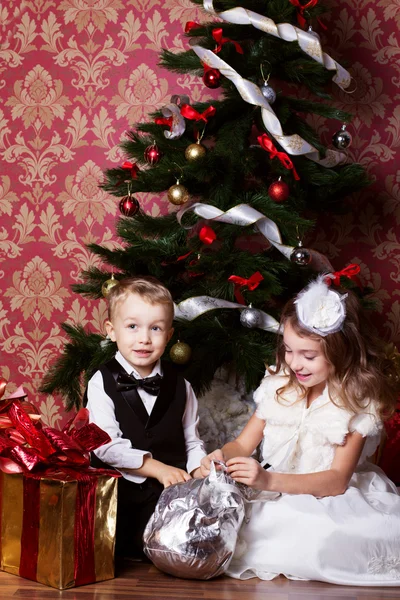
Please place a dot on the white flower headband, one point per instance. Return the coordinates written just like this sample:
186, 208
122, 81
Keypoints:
320, 309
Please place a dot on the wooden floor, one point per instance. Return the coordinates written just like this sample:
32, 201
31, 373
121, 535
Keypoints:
142, 581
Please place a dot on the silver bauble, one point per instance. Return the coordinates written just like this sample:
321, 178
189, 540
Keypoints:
311, 31
251, 317
342, 138
300, 256
269, 93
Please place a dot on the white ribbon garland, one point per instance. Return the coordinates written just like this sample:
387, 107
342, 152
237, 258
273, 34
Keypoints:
173, 110
308, 42
244, 215
191, 308
251, 93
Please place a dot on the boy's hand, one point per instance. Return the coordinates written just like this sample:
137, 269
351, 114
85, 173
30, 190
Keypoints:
168, 475
206, 461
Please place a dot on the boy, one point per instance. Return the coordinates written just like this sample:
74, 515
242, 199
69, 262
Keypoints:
149, 411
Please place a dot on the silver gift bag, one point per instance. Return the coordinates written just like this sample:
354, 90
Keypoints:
193, 530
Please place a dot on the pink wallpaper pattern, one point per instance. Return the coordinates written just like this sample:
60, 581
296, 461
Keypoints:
74, 76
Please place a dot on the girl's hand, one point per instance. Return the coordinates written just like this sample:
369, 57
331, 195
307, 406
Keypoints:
249, 471
196, 473
206, 461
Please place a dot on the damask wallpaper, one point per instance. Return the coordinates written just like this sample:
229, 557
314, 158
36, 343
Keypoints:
74, 76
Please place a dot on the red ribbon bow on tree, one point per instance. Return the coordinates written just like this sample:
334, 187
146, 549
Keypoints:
164, 121
132, 167
251, 283
191, 113
350, 272
220, 40
207, 235
266, 143
191, 25
301, 8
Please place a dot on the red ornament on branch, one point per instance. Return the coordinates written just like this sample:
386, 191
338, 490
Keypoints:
152, 154
278, 191
211, 77
129, 206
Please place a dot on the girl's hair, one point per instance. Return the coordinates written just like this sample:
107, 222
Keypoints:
361, 369
148, 288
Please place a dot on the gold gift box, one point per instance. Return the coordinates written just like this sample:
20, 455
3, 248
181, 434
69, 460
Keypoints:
56, 552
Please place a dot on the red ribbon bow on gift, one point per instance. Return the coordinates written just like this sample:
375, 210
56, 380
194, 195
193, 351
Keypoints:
132, 167
220, 40
267, 144
350, 272
301, 8
27, 446
191, 113
39, 452
251, 283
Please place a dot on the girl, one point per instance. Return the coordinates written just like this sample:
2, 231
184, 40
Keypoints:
319, 416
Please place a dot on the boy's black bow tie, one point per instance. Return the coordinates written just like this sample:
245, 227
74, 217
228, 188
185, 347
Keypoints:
127, 382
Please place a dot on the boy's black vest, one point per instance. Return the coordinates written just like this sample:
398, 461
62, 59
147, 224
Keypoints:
161, 432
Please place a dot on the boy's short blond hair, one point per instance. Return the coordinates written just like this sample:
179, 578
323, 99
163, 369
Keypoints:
147, 287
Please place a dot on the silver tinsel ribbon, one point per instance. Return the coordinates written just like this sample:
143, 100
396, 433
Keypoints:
251, 93
191, 308
308, 42
244, 215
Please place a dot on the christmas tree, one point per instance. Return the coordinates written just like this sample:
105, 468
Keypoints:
248, 176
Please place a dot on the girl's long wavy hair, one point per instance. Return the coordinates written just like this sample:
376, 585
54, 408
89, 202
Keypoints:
361, 369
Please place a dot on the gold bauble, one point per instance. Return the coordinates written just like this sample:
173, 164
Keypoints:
108, 285
180, 353
178, 194
195, 152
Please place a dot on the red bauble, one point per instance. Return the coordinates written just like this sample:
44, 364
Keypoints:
129, 206
212, 78
278, 191
152, 154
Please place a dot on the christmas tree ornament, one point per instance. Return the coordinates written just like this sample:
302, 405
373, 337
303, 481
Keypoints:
251, 317
108, 285
152, 154
178, 194
180, 353
267, 91
311, 31
300, 256
278, 191
129, 206
211, 77
195, 152
342, 139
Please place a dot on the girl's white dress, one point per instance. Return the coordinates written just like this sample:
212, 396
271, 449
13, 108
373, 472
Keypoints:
351, 539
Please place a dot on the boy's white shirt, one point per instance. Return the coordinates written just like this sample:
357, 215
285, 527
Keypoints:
119, 453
